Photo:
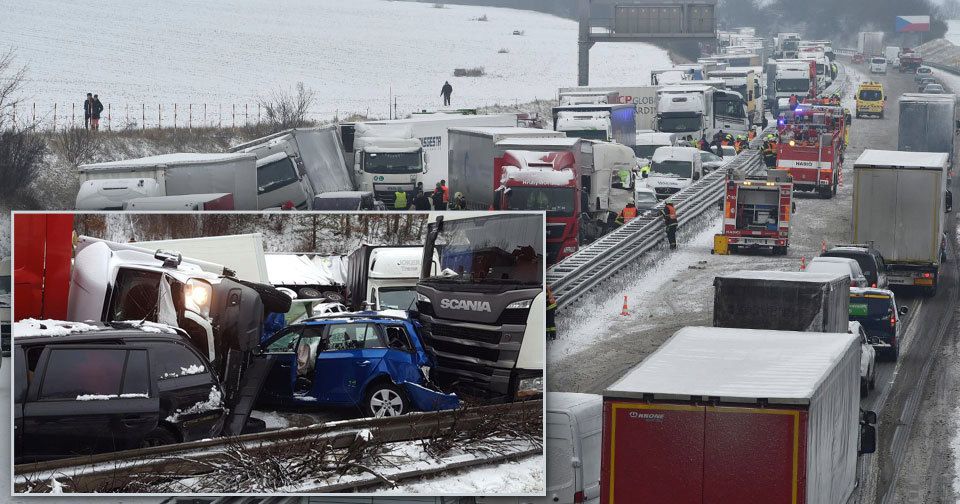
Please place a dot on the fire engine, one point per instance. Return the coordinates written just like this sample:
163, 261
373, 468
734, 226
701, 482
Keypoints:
756, 214
812, 141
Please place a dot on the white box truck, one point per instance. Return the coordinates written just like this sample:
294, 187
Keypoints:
644, 98
243, 254
106, 186
899, 206
928, 123
296, 164
384, 278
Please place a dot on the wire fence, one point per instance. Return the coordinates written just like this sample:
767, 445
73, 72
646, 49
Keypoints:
60, 116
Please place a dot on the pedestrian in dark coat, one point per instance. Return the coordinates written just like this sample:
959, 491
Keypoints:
95, 113
446, 91
87, 110
437, 198
421, 201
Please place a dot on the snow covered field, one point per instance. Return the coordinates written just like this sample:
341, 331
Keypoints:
350, 53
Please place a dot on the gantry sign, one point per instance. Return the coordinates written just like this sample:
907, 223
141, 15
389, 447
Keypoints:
651, 21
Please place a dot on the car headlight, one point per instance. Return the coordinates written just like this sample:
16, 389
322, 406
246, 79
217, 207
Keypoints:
197, 295
520, 305
422, 298
530, 388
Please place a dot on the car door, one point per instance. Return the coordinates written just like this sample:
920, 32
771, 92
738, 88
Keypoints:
351, 354
88, 399
278, 387
189, 390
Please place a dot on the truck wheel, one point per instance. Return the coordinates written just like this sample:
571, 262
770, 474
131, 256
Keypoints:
931, 291
825, 192
385, 399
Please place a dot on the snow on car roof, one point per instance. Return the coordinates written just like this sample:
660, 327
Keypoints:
781, 366
788, 276
900, 159
47, 327
147, 326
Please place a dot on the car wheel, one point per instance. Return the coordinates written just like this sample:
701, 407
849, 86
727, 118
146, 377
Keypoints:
158, 437
385, 400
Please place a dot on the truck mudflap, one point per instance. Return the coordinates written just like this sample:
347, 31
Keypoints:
425, 399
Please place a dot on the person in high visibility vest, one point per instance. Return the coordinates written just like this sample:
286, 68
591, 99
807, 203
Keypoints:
628, 213
400, 201
645, 170
624, 175
669, 213
551, 315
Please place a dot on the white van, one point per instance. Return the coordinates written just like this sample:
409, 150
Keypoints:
674, 168
878, 65
574, 428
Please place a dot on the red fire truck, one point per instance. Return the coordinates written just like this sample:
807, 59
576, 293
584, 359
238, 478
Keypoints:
542, 181
756, 214
811, 147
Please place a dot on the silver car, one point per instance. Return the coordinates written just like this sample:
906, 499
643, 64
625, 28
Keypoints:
934, 89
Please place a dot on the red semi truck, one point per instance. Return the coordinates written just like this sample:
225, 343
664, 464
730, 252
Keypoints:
756, 214
527, 180
730, 416
811, 148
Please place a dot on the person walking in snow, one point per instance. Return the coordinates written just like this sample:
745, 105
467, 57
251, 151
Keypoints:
446, 91
95, 113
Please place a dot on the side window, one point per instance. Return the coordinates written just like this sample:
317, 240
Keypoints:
173, 360
352, 337
74, 372
136, 378
285, 342
397, 337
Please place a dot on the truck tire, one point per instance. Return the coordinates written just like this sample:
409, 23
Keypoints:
825, 192
931, 291
274, 300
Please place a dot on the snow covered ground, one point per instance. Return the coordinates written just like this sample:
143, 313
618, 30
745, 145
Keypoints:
350, 53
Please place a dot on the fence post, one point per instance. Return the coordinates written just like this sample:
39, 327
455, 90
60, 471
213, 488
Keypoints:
234, 114
54, 116
258, 113
73, 114
34, 114
109, 119
220, 115
245, 114
159, 117
190, 120
174, 117
143, 120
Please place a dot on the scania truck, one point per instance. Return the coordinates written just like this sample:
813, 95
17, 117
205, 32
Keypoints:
484, 310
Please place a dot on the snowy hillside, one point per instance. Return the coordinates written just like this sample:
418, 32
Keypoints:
350, 53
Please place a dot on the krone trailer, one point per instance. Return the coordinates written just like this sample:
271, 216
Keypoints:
899, 205
736, 416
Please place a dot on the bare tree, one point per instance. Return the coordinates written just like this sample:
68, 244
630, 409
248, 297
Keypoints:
286, 109
11, 82
21, 150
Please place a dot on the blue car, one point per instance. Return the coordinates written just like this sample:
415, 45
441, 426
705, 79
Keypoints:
368, 360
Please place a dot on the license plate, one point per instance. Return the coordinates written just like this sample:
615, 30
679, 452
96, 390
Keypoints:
753, 241
922, 281
858, 310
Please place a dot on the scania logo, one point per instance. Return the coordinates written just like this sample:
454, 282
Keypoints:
647, 417
465, 304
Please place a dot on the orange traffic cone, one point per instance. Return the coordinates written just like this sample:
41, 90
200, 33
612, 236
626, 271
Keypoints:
803, 263
823, 246
624, 312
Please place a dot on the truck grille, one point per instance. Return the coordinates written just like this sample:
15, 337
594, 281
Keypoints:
555, 231
387, 197
663, 192
465, 333
491, 355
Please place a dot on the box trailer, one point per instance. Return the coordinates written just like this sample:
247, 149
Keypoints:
927, 123
106, 186
242, 254
381, 278
606, 122
643, 98
870, 43
898, 205
735, 416
782, 300
470, 160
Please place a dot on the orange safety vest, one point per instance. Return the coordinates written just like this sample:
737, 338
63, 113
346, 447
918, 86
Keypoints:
446, 194
628, 213
671, 211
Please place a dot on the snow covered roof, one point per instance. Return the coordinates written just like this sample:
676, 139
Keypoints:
562, 142
179, 158
538, 175
563, 401
47, 327
901, 159
748, 364
505, 130
675, 153
287, 269
787, 276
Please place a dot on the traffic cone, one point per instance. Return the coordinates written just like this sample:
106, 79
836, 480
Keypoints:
803, 263
823, 246
624, 312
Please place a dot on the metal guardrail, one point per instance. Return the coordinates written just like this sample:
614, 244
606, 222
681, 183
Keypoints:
107, 472
581, 272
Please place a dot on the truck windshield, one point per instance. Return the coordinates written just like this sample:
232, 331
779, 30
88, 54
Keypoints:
728, 105
392, 163
397, 298
646, 151
820, 68
499, 249
793, 85
557, 201
680, 123
587, 134
870, 95
791, 45
273, 176
682, 169
136, 295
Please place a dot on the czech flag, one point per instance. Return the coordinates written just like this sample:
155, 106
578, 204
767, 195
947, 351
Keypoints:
907, 24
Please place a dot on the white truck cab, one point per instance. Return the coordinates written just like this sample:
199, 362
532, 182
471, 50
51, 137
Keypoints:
674, 168
388, 158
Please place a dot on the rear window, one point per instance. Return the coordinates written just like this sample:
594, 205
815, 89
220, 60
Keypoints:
866, 261
75, 372
870, 307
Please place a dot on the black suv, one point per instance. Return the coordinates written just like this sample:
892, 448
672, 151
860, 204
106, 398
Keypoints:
82, 388
869, 259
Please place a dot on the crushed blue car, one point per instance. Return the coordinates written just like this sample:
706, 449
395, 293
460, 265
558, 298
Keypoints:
374, 361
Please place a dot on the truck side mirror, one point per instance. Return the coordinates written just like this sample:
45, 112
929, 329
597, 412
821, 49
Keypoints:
868, 439
903, 310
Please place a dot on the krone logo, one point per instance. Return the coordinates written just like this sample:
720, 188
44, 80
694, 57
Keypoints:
647, 417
